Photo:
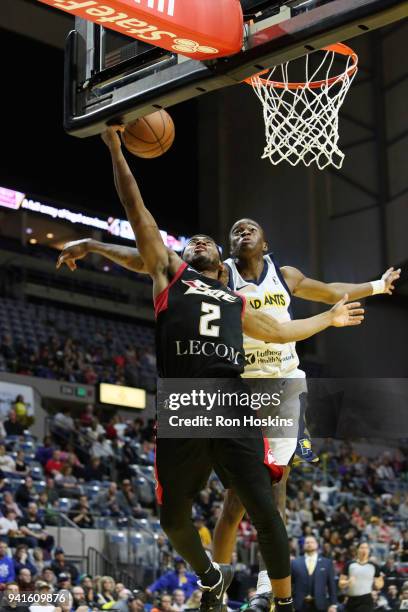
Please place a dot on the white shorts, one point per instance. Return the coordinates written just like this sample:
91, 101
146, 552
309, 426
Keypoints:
284, 449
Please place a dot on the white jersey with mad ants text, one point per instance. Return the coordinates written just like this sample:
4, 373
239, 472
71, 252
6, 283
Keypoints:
271, 295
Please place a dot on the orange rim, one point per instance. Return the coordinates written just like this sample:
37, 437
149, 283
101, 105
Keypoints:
339, 48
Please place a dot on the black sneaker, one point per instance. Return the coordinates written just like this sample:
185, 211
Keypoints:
260, 603
212, 599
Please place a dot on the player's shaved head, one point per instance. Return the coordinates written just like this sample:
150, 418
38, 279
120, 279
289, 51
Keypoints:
202, 253
204, 236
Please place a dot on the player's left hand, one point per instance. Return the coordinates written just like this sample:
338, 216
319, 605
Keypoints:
389, 277
345, 315
111, 137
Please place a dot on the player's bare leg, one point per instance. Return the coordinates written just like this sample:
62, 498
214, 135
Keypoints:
225, 532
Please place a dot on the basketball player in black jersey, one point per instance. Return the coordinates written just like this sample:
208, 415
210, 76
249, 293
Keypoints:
199, 334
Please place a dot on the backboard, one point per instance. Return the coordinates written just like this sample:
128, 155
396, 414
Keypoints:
110, 77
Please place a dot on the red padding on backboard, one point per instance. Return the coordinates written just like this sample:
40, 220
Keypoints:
200, 29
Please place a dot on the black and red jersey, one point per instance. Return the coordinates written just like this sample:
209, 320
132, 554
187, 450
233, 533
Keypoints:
198, 328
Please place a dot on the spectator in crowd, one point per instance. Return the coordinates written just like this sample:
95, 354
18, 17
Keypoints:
178, 578
20, 464
4, 485
128, 500
403, 508
314, 587
7, 463
12, 426
10, 601
26, 492
32, 526
44, 452
404, 547
20, 408
87, 416
51, 490
102, 448
107, 501
81, 513
54, 465
22, 560
86, 582
391, 573
166, 604
64, 582
7, 573
25, 581
61, 566
106, 591
48, 576
63, 421
193, 602
10, 504
136, 602
78, 596
67, 483
179, 600
203, 531
392, 597
380, 602
94, 470
9, 529
403, 604
39, 562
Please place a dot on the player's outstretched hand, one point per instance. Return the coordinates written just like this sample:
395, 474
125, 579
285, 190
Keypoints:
389, 277
73, 251
112, 139
344, 315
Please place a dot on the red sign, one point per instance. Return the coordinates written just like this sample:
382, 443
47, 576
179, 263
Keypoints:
200, 29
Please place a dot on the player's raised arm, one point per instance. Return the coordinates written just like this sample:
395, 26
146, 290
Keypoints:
127, 257
263, 327
149, 241
329, 293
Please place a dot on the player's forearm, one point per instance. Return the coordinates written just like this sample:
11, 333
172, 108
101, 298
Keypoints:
126, 257
265, 328
300, 329
128, 191
148, 237
354, 291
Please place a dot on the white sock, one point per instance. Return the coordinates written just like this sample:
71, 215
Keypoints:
263, 584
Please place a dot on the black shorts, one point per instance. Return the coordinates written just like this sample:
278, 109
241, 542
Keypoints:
183, 466
361, 603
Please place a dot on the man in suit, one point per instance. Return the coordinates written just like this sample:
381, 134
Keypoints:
314, 588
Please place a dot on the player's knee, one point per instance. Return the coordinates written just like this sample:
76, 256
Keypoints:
233, 510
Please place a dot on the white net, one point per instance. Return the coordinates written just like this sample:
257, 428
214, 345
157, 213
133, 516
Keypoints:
302, 119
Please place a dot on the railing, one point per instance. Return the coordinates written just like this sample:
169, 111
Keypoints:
65, 521
99, 565
132, 546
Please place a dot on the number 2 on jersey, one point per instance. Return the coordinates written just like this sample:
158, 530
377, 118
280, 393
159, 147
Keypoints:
212, 313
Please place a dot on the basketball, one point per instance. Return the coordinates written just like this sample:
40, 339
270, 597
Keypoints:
150, 136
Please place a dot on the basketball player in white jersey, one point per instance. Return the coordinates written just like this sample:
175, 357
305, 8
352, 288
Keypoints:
254, 273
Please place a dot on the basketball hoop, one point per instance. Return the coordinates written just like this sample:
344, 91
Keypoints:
302, 119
